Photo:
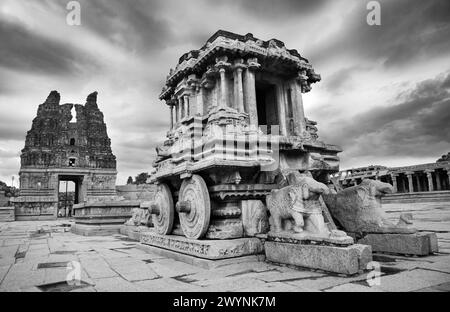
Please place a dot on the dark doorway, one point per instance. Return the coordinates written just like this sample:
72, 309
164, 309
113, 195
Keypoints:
69, 194
266, 103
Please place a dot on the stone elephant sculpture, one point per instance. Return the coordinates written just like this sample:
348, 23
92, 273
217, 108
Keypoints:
358, 208
297, 205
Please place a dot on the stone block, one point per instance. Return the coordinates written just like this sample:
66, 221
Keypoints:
7, 214
345, 260
420, 244
206, 249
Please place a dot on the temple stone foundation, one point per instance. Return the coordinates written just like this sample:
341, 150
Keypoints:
7, 214
205, 248
102, 218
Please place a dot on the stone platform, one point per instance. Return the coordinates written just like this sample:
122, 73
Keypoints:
102, 218
7, 214
205, 249
420, 244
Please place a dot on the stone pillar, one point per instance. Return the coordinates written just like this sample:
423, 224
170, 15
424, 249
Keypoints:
238, 88
221, 65
448, 175
430, 180
187, 112
171, 116
394, 182
410, 181
200, 108
177, 112
281, 109
297, 108
181, 105
438, 180
250, 91
418, 182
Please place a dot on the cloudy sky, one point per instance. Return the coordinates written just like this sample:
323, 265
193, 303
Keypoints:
384, 95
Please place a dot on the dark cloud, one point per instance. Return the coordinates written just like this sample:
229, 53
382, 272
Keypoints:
135, 25
25, 50
409, 31
279, 9
417, 125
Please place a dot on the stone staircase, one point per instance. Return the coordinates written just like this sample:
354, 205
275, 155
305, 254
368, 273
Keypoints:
437, 196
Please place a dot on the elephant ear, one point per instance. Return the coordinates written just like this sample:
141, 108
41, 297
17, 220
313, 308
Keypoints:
305, 191
292, 196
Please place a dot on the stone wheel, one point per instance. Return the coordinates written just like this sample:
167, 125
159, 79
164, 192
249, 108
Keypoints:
194, 207
163, 210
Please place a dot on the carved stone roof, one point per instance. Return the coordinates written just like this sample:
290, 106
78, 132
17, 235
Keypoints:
289, 61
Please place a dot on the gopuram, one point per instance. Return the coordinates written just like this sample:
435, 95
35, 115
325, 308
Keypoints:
58, 148
242, 170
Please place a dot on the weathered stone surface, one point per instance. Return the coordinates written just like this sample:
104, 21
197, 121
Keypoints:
358, 209
346, 260
420, 244
306, 238
254, 217
207, 249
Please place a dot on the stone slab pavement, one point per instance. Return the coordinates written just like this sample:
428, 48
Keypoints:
39, 255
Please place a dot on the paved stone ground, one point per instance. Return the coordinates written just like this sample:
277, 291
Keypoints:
34, 257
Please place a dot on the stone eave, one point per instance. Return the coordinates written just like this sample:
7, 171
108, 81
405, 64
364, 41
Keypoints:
222, 44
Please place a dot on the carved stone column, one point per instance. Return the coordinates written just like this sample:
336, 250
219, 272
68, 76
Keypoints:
297, 107
394, 181
430, 180
250, 91
238, 87
187, 111
418, 182
410, 181
177, 112
200, 104
438, 180
181, 105
448, 175
171, 116
281, 109
222, 64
